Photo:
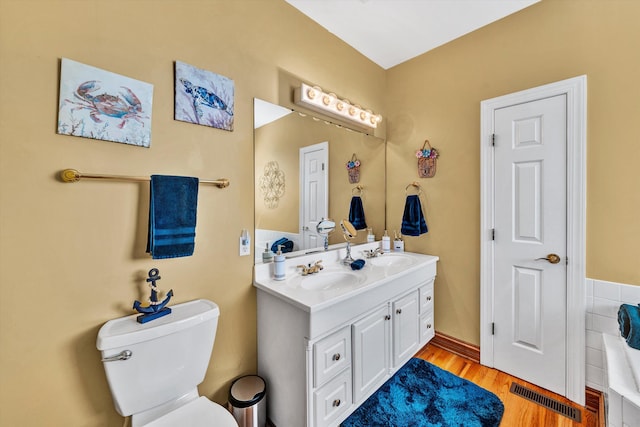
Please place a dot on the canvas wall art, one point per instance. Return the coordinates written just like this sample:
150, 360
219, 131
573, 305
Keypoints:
99, 104
203, 97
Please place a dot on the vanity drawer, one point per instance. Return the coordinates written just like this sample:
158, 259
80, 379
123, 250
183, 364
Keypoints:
426, 298
331, 355
427, 329
332, 399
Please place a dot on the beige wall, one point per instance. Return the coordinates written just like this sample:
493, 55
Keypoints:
438, 95
72, 255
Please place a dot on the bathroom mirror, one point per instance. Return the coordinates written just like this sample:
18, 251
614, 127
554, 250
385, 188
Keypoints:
285, 191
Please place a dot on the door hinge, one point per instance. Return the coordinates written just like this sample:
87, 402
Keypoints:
493, 234
493, 328
323, 166
493, 139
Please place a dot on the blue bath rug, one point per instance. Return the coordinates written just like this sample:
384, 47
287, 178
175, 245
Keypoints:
423, 395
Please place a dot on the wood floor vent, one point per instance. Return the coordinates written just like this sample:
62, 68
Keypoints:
549, 403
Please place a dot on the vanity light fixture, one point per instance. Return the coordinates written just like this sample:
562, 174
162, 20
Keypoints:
316, 99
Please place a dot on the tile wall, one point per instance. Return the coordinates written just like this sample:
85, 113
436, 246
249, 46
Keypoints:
603, 301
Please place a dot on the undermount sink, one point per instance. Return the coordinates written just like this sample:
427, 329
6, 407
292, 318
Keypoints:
392, 260
326, 280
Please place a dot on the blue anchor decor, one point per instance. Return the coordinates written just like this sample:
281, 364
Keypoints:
156, 308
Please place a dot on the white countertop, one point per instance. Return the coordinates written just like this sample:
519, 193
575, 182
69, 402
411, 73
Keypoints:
369, 277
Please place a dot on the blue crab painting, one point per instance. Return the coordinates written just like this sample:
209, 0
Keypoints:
99, 104
203, 97
125, 105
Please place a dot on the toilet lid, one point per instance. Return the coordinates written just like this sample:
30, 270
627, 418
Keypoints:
200, 413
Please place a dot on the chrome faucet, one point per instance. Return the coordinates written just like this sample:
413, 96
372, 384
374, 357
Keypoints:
372, 253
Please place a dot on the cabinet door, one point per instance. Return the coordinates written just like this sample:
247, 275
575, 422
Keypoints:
371, 343
405, 328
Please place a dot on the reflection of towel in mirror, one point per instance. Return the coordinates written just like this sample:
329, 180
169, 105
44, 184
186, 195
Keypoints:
173, 204
413, 223
629, 322
287, 245
356, 213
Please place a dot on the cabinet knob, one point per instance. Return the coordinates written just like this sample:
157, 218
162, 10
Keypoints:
428, 325
429, 298
399, 311
336, 403
336, 356
387, 317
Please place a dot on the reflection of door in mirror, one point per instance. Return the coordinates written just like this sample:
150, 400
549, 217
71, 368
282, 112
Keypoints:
314, 201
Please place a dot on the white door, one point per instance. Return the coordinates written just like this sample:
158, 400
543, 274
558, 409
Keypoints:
314, 173
531, 224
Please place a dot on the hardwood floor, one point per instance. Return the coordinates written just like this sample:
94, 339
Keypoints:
518, 411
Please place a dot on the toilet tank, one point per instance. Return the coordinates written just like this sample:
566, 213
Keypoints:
169, 355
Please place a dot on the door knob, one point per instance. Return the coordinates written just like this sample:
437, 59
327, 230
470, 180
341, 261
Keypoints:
552, 258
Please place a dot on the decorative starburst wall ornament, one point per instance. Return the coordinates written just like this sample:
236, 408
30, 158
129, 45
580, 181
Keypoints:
272, 184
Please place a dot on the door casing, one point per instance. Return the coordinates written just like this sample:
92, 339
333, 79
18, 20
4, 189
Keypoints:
575, 90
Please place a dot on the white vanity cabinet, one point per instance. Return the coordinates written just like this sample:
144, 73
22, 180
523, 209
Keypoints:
321, 361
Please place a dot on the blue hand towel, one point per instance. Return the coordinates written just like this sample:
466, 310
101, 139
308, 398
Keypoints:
413, 223
356, 213
172, 216
629, 322
357, 264
287, 245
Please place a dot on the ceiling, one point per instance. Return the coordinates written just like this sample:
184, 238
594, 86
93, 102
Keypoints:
390, 32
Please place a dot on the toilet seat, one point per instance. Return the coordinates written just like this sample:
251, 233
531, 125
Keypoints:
199, 413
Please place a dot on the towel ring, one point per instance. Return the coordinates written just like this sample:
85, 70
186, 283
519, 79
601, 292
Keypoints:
358, 188
413, 184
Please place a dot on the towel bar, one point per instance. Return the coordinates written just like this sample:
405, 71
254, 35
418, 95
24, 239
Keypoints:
72, 175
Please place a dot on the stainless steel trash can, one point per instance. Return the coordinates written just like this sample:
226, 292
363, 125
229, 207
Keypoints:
248, 401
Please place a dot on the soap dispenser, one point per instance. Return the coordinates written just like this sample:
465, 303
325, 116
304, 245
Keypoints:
370, 236
386, 242
267, 255
278, 267
398, 243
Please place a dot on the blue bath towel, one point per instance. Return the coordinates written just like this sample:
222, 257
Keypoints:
413, 223
356, 213
629, 322
172, 216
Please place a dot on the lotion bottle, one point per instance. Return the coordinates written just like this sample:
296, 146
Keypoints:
370, 236
278, 267
386, 242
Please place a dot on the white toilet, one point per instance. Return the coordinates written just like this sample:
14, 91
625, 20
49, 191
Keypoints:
154, 368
